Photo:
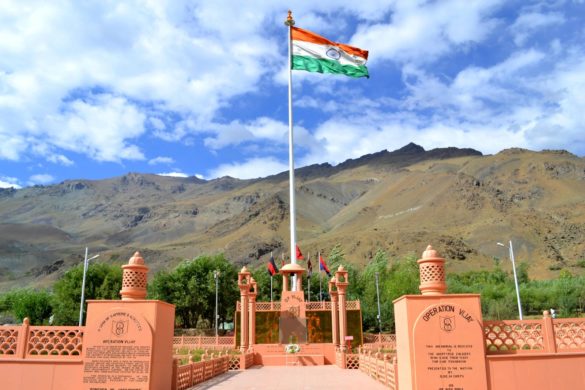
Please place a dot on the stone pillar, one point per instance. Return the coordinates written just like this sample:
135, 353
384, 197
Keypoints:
432, 273
549, 339
252, 314
438, 324
134, 278
299, 283
244, 286
334, 312
341, 282
132, 337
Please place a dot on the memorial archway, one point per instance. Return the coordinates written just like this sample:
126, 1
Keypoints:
319, 329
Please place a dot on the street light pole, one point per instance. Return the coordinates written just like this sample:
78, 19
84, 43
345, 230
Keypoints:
85, 264
379, 313
511, 253
216, 277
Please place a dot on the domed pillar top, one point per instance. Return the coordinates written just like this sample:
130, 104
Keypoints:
253, 287
292, 270
134, 278
332, 287
341, 278
244, 277
432, 273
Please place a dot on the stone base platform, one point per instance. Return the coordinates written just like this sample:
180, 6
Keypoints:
296, 359
309, 355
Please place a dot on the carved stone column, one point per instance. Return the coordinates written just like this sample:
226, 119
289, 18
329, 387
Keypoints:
341, 282
252, 314
244, 286
334, 313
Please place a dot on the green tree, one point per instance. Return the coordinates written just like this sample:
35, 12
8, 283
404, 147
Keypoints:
191, 288
262, 278
335, 258
34, 304
103, 281
402, 279
369, 297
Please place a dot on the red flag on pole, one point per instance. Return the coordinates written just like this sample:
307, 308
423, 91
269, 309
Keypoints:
299, 254
272, 269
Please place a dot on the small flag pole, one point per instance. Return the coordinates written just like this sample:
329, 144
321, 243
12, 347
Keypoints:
293, 258
309, 279
271, 281
320, 279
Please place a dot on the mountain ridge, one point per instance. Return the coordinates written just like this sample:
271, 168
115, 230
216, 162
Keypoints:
457, 199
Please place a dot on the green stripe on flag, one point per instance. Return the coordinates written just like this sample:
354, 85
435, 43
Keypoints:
328, 66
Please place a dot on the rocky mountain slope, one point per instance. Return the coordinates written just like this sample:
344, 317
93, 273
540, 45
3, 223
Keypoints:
456, 199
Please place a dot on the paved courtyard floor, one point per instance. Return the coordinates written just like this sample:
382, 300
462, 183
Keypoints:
292, 378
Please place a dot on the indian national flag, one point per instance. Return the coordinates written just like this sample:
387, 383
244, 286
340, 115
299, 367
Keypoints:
313, 53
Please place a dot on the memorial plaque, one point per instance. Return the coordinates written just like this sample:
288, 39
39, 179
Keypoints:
449, 352
117, 353
292, 324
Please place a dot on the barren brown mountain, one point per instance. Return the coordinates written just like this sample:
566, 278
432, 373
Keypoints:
456, 199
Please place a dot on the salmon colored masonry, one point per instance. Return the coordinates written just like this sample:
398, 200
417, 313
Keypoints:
441, 342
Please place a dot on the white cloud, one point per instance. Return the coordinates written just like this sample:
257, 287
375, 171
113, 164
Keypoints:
9, 182
475, 93
42, 178
258, 130
173, 174
60, 159
11, 145
250, 169
157, 123
421, 32
530, 22
161, 160
99, 127
53, 54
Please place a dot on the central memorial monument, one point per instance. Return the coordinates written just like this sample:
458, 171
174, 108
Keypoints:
293, 316
316, 329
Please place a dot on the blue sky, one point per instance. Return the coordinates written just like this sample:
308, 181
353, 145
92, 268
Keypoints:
96, 89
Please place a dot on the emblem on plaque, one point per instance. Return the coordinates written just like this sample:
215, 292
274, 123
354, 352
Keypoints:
294, 311
120, 328
447, 323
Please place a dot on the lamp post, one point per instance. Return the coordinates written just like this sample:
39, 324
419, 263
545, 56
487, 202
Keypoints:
511, 253
216, 277
379, 314
85, 264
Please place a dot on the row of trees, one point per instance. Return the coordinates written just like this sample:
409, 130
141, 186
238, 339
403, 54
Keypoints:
191, 288
60, 306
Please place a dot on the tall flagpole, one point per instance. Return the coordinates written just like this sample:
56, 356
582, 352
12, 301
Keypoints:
291, 162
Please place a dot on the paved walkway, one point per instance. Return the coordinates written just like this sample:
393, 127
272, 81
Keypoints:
292, 378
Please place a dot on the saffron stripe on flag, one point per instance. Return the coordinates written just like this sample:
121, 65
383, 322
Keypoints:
298, 34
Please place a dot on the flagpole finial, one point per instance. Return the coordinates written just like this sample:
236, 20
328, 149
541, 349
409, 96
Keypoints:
289, 19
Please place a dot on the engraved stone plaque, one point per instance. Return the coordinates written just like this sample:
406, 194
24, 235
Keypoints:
117, 352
